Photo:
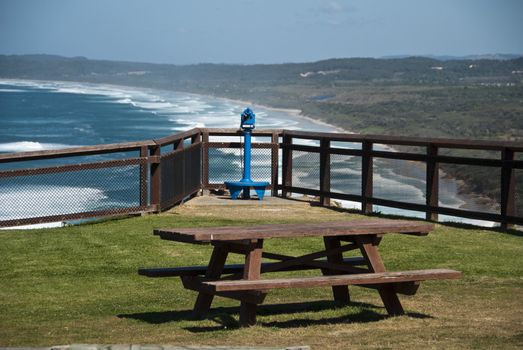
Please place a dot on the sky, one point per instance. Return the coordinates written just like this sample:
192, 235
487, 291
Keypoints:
258, 31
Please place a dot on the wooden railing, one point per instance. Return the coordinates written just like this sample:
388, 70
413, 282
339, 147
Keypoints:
140, 159
175, 172
506, 162
169, 171
176, 167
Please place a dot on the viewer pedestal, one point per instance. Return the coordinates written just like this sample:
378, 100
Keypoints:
235, 187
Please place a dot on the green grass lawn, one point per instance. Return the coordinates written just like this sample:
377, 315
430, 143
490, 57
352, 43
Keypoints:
79, 284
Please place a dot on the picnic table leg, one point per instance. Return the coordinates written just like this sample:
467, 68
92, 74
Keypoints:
252, 271
369, 248
341, 293
214, 270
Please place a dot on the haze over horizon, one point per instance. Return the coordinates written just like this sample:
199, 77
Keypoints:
252, 31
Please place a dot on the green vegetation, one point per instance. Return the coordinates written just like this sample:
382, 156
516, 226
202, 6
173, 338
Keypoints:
415, 96
79, 285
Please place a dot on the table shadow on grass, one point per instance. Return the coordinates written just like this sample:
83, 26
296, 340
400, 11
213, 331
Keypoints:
225, 317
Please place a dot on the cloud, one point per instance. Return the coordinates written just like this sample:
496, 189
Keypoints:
338, 6
335, 12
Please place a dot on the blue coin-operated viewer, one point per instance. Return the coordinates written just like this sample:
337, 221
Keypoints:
235, 187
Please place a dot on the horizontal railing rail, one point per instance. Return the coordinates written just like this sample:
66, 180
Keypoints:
408, 140
74, 151
163, 172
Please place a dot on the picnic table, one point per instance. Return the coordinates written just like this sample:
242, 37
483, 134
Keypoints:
243, 282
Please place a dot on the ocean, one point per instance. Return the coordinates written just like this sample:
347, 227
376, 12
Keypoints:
37, 115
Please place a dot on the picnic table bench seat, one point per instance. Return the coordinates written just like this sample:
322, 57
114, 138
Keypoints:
378, 278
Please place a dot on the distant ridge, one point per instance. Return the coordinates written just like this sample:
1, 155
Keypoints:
488, 56
170, 76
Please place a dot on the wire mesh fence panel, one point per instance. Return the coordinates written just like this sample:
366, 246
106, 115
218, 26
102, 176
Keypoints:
479, 187
306, 170
261, 164
109, 187
193, 169
519, 192
180, 175
399, 180
225, 164
345, 174
172, 178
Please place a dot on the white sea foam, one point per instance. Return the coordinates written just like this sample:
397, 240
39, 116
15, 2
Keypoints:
390, 187
35, 226
306, 142
21, 83
47, 200
156, 105
12, 90
233, 151
348, 204
446, 218
346, 171
126, 101
188, 126
27, 146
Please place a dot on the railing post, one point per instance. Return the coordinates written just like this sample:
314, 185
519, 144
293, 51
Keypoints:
195, 139
156, 178
274, 163
508, 188
178, 145
325, 171
432, 182
144, 153
366, 177
286, 164
205, 161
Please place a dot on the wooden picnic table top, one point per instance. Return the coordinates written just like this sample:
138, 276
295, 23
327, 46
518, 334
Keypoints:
334, 228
